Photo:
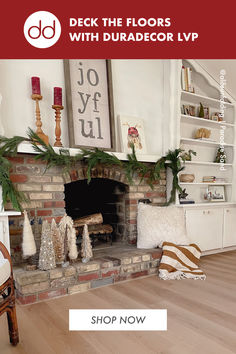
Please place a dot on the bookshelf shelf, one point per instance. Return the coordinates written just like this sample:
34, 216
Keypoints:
206, 163
205, 183
196, 99
191, 141
205, 122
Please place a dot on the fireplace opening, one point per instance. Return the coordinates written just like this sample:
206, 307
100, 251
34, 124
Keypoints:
103, 196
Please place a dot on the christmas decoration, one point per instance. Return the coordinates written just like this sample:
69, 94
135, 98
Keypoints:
201, 111
91, 157
28, 244
57, 243
86, 248
46, 255
67, 231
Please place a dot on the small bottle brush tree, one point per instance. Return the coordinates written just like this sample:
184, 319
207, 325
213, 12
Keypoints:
46, 254
58, 243
68, 235
86, 248
28, 244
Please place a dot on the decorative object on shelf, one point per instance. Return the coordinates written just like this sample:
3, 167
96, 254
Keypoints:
187, 177
183, 194
57, 106
187, 155
132, 134
36, 96
207, 195
183, 198
68, 231
202, 133
186, 79
47, 254
189, 110
203, 112
221, 155
86, 248
90, 103
215, 117
28, 244
217, 193
58, 243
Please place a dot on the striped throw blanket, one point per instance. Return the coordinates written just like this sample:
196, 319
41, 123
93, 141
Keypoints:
180, 262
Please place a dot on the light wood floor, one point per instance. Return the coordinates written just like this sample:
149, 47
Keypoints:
201, 317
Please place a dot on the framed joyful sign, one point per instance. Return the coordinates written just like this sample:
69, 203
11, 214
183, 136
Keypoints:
90, 103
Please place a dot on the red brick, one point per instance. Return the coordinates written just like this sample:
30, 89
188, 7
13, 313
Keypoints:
18, 178
156, 255
50, 294
133, 222
56, 204
25, 300
57, 219
32, 213
131, 201
109, 273
48, 204
16, 159
87, 277
33, 161
73, 175
44, 212
139, 274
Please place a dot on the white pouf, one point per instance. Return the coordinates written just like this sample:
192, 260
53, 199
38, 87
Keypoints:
5, 270
158, 224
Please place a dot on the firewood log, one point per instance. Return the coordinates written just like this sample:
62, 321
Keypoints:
92, 219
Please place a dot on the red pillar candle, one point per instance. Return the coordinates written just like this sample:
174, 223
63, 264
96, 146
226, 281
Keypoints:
57, 96
35, 85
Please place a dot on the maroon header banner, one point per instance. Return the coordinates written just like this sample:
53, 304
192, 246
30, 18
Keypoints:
122, 29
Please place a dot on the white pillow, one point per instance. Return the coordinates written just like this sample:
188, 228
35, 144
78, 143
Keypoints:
159, 224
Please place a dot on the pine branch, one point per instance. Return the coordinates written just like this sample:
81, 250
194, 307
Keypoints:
96, 157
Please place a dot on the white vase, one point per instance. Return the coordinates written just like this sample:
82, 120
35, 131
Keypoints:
1, 203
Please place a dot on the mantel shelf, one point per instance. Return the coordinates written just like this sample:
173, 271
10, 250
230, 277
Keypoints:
26, 148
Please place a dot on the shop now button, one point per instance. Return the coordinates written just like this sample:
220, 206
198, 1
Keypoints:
118, 320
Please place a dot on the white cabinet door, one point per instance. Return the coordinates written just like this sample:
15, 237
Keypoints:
205, 227
229, 236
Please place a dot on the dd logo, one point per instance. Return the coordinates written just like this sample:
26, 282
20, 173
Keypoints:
42, 29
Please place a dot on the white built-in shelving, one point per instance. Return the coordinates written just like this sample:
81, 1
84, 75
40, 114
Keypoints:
207, 92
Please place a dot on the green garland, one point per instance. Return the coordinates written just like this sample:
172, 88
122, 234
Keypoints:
8, 147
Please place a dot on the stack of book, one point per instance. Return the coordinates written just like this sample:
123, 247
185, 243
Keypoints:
213, 179
186, 78
186, 201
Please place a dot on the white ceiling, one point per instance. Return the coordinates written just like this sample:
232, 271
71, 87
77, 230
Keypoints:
214, 66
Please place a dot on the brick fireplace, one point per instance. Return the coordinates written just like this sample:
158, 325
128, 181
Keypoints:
49, 197
46, 193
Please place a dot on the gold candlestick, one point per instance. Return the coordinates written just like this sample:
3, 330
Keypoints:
38, 123
58, 109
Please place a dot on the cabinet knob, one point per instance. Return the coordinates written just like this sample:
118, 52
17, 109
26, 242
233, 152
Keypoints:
227, 211
208, 212
204, 212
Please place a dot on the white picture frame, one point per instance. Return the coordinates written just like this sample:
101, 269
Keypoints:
217, 193
132, 132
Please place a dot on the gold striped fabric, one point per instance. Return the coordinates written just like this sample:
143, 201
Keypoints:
180, 262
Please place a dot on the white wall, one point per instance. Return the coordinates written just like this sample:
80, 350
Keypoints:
138, 92
137, 89
18, 109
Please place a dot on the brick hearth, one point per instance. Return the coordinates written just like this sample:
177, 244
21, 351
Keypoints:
109, 266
